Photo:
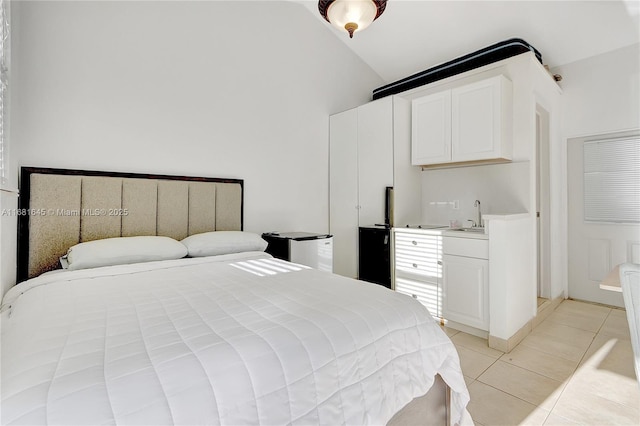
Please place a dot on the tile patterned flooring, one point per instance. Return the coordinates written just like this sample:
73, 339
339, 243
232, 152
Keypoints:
575, 368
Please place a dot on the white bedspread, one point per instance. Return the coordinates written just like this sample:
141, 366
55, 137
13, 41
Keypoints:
237, 340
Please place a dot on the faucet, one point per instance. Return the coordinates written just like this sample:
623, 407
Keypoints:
479, 223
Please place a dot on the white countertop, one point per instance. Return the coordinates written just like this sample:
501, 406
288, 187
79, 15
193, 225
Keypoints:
465, 234
447, 232
513, 216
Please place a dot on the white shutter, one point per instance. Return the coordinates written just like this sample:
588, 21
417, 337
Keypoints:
612, 180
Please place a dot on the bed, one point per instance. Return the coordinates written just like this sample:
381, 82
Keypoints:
212, 330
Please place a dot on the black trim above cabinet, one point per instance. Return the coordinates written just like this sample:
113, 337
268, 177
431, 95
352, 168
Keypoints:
374, 259
488, 55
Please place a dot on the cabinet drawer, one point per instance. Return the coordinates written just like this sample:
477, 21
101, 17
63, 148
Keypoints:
468, 247
428, 266
418, 242
418, 254
425, 292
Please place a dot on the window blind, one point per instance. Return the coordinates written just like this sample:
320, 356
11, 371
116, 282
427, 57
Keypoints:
612, 180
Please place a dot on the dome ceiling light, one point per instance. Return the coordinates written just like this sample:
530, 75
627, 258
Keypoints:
351, 15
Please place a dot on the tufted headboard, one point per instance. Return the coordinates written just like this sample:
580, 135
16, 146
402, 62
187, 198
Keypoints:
60, 208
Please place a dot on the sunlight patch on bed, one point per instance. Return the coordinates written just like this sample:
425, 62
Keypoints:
264, 267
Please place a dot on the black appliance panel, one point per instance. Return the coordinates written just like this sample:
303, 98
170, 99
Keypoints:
374, 259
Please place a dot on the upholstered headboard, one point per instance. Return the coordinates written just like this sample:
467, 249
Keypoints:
60, 208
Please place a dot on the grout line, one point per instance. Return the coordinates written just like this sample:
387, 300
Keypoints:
563, 384
541, 374
514, 396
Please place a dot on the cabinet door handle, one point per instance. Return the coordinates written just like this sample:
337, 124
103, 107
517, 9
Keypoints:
415, 266
414, 243
439, 262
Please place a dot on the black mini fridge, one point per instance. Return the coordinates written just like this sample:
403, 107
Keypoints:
374, 259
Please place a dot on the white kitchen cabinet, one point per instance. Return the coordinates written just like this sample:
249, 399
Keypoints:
463, 124
361, 167
431, 129
417, 257
465, 282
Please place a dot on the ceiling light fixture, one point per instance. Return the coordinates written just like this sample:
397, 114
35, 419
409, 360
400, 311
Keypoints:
351, 15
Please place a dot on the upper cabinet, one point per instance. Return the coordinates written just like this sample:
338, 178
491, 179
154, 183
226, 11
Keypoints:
464, 124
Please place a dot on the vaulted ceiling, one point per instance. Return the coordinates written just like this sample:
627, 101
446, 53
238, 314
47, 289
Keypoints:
413, 35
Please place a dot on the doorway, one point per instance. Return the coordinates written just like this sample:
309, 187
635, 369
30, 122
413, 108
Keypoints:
597, 244
543, 192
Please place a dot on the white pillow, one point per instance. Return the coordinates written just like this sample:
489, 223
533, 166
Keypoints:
123, 250
223, 242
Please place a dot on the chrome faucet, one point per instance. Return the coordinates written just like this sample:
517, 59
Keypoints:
479, 223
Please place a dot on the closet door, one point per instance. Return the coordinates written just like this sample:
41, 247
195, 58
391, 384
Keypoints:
343, 191
375, 159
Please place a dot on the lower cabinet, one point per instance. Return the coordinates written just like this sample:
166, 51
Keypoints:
448, 275
465, 283
418, 266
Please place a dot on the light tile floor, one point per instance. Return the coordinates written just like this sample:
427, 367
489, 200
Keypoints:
575, 368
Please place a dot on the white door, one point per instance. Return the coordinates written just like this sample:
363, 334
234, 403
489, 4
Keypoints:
431, 129
343, 191
465, 291
360, 169
594, 247
375, 159
543, 192
476, 120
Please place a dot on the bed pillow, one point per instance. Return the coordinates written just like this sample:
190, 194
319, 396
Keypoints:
223, 242
123, 250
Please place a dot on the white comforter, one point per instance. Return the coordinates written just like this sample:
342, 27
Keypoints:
240, 339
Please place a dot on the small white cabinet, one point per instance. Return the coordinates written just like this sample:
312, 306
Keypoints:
466, 123
417, 261
465, 283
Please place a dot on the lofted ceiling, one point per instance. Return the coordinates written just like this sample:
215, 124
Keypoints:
414, 35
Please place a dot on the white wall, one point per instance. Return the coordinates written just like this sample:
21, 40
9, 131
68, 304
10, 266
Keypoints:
501, 189
600, 95
225, 89
8, 201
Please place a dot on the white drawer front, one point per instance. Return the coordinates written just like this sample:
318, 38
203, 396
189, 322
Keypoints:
426, 293
418, 254
467, 247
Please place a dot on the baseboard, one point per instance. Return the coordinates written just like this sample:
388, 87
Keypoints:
546, 309
467, 329
507, 345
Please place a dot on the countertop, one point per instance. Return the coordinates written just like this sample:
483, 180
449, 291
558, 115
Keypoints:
450, 232
514, 216
447, 232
